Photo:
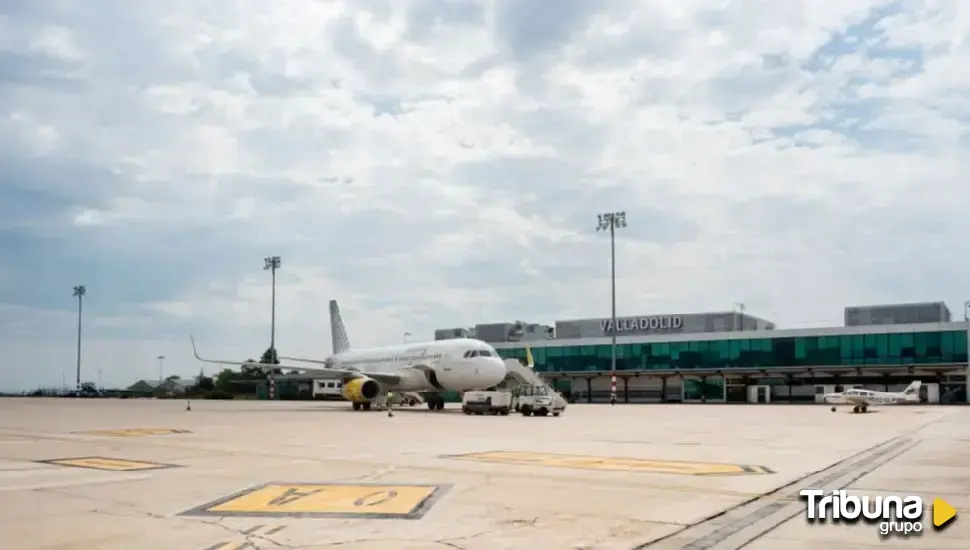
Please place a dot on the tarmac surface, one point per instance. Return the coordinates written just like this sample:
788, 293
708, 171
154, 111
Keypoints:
228, 474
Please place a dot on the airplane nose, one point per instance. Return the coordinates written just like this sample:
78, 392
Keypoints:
496, 372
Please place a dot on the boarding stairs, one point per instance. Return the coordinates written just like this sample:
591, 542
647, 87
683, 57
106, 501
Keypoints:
519, 374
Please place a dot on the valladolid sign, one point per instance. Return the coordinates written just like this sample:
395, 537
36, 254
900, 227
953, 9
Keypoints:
641, 324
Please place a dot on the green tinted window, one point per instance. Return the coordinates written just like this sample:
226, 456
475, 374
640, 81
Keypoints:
720, 353
959, 347
846, 350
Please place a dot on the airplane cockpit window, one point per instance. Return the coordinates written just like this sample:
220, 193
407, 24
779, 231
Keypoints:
484, 353
470, 353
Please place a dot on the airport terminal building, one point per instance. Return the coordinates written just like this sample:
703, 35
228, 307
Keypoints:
735, 357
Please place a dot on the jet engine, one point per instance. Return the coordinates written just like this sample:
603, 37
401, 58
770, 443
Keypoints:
360, 390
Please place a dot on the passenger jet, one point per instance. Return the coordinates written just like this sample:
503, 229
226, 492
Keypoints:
459, 364
860, 399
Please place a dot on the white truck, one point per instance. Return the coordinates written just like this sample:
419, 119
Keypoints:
486, 402
537, 400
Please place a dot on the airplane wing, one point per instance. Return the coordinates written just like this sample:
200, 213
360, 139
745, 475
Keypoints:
302, 360
384, 378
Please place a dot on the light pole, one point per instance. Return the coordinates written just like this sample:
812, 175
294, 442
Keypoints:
406, 336
161, 358
966, 317
272, 263
79, 291
740, 319
612, 221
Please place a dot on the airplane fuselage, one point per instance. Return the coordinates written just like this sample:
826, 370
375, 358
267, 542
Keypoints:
859, 397
457, 365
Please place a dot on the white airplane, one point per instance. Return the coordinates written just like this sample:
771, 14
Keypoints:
459, 364
860, 399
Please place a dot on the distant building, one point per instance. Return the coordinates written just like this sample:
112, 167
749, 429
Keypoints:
178, 386
720, 356
512, 331
897, 314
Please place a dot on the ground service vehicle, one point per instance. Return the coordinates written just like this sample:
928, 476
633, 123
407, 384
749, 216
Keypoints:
541, 400
486, 402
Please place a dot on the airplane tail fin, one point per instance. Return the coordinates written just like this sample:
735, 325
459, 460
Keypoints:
338, 333
913, 388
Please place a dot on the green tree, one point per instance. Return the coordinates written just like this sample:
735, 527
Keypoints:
251, 368
224, 379
269, 357
204, 383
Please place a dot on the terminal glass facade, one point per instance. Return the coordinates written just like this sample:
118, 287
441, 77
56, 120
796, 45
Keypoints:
851, 350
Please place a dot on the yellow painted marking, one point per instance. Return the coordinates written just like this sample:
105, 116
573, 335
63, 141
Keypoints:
105, 463
613, 463
136, 432
328, 499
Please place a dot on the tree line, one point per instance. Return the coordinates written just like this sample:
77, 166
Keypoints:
230, 383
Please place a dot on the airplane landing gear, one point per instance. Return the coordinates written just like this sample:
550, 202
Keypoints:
436, 403
833, 409
860, 409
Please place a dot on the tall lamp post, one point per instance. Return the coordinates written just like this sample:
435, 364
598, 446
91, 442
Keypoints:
966, 317
79, 291
611, 221
272, 263
161, 359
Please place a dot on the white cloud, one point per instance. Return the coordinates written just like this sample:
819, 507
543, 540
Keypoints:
435, 164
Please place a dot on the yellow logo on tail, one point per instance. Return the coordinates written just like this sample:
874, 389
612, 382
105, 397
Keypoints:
528, 358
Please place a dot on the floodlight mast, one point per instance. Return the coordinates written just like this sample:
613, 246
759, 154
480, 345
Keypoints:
79, 292
272, 263
612, 221
966, 317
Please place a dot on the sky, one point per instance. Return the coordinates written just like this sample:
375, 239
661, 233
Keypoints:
441, 163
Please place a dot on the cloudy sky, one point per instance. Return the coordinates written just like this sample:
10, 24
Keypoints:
437, 163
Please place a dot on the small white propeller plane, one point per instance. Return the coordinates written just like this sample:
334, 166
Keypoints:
860, 399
